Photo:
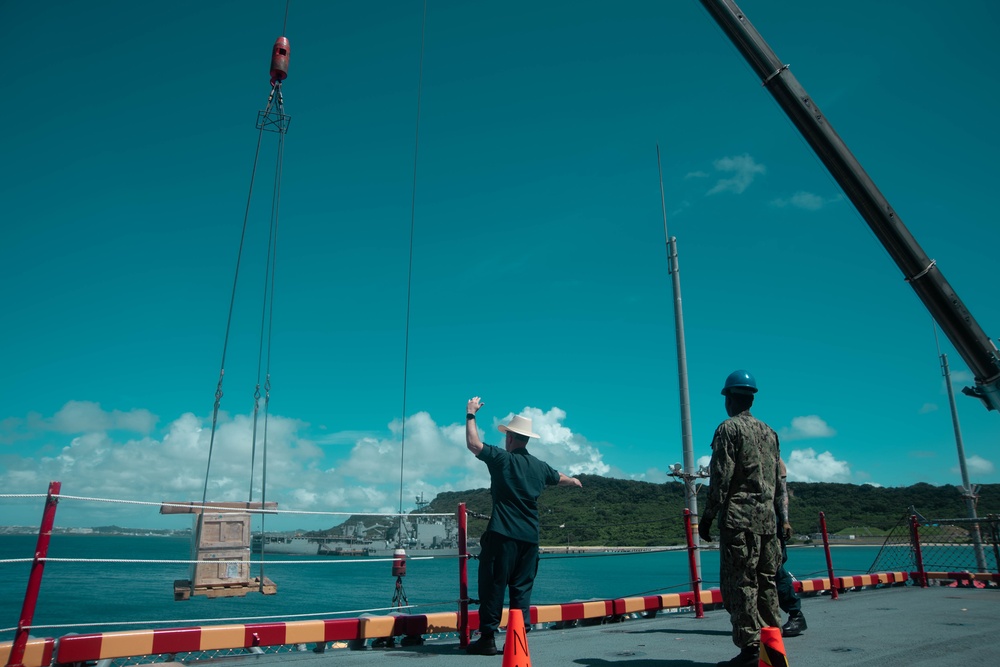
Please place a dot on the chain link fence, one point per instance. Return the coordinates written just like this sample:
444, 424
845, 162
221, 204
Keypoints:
942, 545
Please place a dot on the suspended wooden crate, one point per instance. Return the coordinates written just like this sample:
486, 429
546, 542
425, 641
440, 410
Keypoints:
222, 530
221, 546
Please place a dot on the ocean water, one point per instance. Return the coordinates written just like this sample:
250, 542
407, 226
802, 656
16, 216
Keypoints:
109, 595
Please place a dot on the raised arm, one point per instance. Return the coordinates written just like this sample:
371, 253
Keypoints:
472, 440
569, 481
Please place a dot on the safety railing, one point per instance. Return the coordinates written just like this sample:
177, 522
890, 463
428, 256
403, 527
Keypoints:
204, 638
958, 552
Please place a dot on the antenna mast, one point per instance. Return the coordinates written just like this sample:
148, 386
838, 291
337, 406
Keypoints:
689, 474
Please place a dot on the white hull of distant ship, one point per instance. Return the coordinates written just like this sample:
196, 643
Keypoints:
298, 545
317, 546
421, 538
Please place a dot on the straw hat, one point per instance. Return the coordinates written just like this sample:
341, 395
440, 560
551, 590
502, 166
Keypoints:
520, 425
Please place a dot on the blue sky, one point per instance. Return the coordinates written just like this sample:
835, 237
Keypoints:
539, 277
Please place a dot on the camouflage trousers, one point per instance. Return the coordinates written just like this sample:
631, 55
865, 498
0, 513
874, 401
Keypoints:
748, 566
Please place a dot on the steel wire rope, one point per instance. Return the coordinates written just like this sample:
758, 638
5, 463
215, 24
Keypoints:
409, 271
229, 320
575, 527
232, 300
557, 556
892, 531
168, 561
260, 355
267, 307
267, 313
551, 526
221, 508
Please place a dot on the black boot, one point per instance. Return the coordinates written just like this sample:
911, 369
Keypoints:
485, 645
795, 625
748, 657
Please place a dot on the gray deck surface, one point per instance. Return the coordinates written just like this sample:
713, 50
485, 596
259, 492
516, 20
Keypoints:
889, 626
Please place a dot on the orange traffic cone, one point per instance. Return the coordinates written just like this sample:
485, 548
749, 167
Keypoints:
772, 648
515, 646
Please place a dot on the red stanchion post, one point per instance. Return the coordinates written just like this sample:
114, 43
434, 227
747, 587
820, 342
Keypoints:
699, 607
829, 559
915, 541
16, 657
463, 577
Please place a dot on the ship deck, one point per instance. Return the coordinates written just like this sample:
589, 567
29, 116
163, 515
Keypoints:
889, 626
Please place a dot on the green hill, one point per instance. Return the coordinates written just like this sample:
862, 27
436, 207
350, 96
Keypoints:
617, 512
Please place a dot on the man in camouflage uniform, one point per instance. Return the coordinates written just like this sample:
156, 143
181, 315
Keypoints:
742, 494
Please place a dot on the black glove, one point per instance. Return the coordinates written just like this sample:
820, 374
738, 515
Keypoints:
705, 529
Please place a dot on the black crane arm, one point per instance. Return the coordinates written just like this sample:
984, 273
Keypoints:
926, 279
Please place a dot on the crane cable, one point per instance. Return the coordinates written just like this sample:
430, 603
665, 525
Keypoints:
266, 120
229, 317
409, 273
267, 315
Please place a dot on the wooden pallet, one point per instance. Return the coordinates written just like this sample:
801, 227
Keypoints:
183, 590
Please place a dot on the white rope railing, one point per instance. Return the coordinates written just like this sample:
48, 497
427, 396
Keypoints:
221, 508
217, 508
252, 563
48, 559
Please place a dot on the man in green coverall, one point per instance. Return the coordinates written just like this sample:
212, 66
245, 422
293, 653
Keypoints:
742, 494
509, 554
788, 599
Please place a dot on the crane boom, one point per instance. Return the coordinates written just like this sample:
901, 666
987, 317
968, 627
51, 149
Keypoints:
923, 275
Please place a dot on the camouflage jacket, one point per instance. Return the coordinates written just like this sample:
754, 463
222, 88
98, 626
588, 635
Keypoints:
743, 489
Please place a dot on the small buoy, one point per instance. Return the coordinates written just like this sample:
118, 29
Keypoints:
279, 59
399, 564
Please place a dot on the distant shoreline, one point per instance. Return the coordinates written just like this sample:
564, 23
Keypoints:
604, 550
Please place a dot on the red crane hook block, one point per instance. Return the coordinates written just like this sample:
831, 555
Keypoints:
279, 60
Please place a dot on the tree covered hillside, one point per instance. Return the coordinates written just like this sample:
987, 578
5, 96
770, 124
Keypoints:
617, 512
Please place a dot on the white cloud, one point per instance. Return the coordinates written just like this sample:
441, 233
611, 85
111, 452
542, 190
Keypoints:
682, 206
809, 426
806, 201
805, 465
976, 465
429, 452
744, 170
86, 416
653, 475
696, 174
301, 474
959, 377
567, 452
97, 464
928, 407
